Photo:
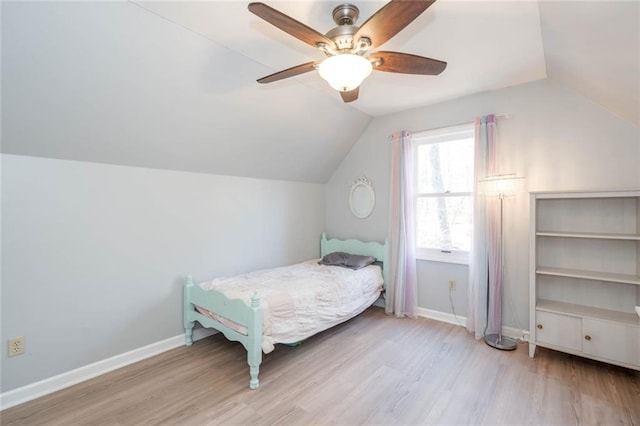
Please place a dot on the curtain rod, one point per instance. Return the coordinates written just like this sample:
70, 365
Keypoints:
498, 117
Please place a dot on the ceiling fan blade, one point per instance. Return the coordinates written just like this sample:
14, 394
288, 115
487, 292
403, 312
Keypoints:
351, 95
390, 20
406, 63
290, 25
289, 72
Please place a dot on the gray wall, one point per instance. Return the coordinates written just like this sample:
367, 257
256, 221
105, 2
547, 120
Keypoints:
555, 138
93, 254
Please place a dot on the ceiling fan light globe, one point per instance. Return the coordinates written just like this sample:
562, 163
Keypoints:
345, 72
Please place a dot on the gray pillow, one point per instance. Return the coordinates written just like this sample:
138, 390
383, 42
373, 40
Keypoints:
346, 260
355, 261
337, 258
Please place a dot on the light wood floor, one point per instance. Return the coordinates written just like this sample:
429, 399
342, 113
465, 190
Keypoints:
374, 369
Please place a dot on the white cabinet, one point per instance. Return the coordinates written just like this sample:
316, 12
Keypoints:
557, 330
619, 342
585, 274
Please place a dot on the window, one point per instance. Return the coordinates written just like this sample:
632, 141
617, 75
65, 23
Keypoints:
444, 193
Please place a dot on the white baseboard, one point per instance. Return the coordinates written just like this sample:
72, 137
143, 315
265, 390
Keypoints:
70, 378
517, 334
442, 316
511, 332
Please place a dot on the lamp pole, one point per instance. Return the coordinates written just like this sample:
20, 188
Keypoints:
496, 340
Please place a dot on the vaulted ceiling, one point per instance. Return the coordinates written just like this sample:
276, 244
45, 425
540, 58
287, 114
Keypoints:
172, 84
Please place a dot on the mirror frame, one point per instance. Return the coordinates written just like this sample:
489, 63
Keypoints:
362, 183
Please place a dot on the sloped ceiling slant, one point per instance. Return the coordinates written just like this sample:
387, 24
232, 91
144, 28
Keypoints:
113, 83
594, 48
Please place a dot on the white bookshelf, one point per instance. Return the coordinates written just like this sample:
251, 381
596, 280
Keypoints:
585, 274
583, 311
591, 235
590, 275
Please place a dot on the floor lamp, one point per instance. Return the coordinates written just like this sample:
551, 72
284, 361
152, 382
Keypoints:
499, 186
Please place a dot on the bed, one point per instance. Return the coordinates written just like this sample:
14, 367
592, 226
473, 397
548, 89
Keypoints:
233, 305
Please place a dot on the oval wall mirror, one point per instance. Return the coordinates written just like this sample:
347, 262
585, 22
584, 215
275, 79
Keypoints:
362, 197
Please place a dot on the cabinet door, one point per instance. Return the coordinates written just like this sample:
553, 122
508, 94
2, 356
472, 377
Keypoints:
559, 330
617, 342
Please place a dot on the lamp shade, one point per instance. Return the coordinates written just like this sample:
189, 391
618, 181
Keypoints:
501, 185
345, 72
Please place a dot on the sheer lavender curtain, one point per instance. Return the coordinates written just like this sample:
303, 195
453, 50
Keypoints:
402, 290
485, 279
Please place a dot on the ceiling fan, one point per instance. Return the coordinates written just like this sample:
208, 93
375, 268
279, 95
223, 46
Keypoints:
348, 47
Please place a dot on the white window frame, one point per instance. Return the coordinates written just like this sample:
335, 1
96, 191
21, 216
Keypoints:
442, 135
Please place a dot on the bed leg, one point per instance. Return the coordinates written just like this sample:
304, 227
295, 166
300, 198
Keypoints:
253, 372
188, 334
187, 309
254, 348
254, 358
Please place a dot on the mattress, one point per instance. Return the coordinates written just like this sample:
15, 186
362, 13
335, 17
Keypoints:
301, 300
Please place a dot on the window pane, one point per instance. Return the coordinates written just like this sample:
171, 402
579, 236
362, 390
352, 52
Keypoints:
445, 167
444, 222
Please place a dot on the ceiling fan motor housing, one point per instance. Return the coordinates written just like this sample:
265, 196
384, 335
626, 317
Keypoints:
342, 36
345, 14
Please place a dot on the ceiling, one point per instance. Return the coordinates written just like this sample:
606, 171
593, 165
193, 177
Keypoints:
487, 45
590, 46
172, 84
593, 47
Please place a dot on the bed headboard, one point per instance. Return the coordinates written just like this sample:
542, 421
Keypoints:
366, 248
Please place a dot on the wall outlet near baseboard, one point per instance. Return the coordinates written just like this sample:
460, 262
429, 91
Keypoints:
452, 284
16, 346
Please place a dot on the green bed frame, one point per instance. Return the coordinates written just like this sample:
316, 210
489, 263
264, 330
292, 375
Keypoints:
250, 317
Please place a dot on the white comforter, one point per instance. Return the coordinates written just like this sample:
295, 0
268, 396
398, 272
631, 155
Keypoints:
301, 300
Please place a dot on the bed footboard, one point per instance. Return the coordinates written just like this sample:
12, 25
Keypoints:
249, 317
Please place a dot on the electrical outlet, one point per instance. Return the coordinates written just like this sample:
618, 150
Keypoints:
452, 284
16, 346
